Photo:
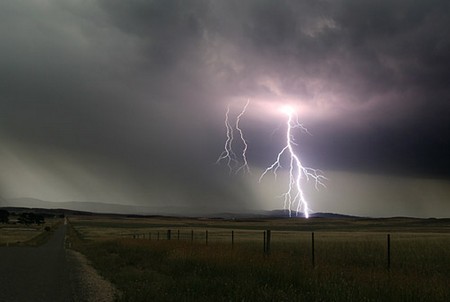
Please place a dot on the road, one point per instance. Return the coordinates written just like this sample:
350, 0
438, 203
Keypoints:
38, 273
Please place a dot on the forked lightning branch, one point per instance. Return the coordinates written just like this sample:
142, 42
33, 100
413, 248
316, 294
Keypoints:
293, 197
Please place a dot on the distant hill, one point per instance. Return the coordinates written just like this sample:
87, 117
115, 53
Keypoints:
94, 207
104, 208
111, 208
293, 214
278, 214
331, 215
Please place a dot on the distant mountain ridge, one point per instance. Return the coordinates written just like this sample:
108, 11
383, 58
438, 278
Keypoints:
103, 208
94, 207
111, 208
285, 214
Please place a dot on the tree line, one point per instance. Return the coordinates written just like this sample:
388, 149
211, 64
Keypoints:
26, 218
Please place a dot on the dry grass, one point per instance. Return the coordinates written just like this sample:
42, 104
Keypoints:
350, 259
19, 234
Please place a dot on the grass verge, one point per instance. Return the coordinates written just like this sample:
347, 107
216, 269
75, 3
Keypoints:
19, 235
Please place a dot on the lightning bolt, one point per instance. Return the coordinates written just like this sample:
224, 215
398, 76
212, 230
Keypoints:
244, 165
228, 154
294, 195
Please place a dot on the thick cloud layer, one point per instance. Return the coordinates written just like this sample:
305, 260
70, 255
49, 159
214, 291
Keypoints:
123, 101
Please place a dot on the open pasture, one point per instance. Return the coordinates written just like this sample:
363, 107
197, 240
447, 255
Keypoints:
16, 234
104, 227
19, 234
350, 258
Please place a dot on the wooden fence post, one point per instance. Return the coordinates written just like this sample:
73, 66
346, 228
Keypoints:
206, 237
389, 251
178, 237
232, 239
312, 250
158, 235
268, 235
192, 236
264, 242
169, 234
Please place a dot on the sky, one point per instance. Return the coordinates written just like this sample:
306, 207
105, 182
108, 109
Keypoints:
124, 102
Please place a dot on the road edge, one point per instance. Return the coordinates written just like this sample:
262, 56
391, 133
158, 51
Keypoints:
91, 286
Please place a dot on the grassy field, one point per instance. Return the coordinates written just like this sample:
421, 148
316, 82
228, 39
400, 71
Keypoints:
350, 259
20, 234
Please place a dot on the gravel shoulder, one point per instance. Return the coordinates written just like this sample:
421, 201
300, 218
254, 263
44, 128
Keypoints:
92, 287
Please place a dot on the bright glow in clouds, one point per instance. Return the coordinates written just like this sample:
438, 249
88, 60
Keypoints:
294, 197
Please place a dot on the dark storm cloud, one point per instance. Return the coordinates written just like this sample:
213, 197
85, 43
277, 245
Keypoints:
384, 65
144, 85
72, 81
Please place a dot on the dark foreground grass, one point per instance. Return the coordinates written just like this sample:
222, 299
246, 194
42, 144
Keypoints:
348, 268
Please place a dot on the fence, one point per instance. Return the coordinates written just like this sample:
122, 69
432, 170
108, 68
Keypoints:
234, 236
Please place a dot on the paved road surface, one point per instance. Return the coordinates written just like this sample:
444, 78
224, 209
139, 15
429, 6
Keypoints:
37, 273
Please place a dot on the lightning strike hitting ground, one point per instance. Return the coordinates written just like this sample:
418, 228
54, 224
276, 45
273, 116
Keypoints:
228, 154
294, 196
